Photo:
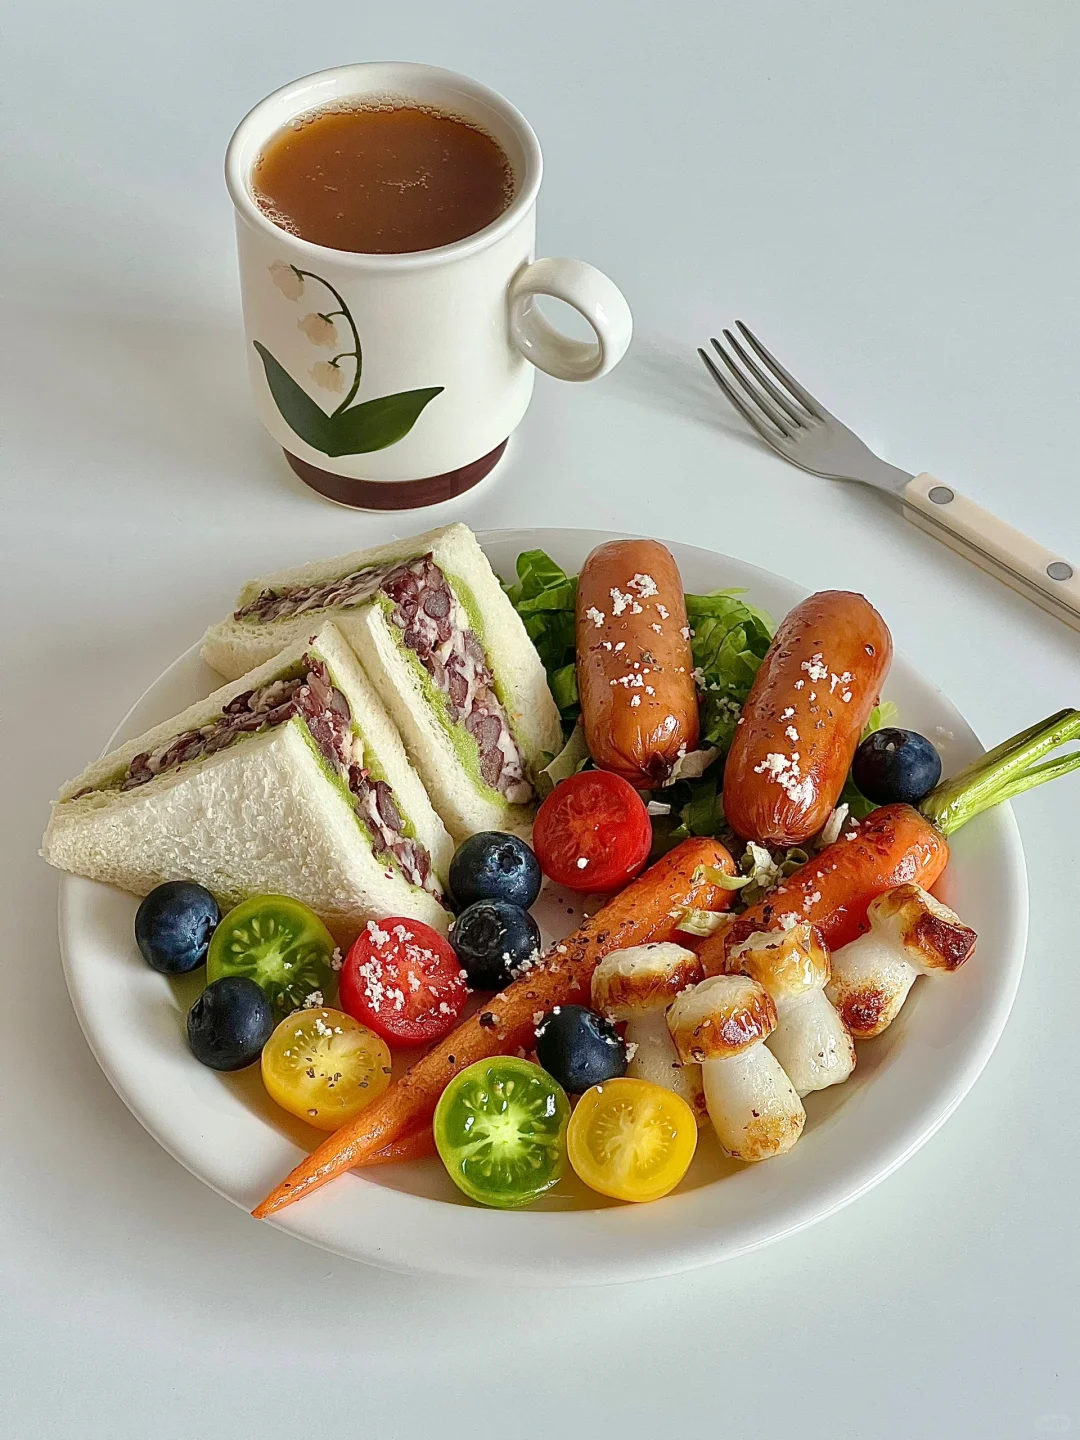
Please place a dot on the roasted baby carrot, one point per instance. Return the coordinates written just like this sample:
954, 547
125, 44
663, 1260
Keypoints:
833, 889
898, 844
414, 1146
646, 910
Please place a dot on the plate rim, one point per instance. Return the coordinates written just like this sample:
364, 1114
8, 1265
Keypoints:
538, 1267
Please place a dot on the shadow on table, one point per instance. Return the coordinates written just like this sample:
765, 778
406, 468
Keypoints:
663, 375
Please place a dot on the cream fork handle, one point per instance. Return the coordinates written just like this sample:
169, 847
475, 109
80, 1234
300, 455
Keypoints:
1022, 563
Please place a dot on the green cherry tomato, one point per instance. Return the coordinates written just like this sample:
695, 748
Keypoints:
500, 1129
281, 945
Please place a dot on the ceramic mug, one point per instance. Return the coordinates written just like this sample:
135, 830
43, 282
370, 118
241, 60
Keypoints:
440, 345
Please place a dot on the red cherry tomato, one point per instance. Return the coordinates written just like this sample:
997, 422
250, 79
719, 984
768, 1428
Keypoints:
592, 832
403, 980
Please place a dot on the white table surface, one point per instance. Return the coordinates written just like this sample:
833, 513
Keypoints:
886, 194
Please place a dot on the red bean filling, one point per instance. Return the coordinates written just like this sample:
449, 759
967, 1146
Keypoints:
328, 717
450, 652
353, 589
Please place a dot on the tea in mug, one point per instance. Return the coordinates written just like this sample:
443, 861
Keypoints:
383, 178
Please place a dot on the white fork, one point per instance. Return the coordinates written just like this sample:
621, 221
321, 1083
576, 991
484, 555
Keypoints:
800, 429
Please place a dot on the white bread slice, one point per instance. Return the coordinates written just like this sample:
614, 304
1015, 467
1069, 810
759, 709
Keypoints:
465, 804
383, 743
235, 645
261, 815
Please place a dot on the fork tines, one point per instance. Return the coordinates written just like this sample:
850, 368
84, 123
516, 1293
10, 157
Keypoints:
776, 414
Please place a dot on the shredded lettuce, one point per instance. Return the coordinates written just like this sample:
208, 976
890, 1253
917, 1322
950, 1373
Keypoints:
881, 715
720, 878
703, 922
574, 756
694, 764
729, 642
833, 827
699, 806
544, 596
763, 870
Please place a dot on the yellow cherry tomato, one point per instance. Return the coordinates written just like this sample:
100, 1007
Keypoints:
324, 1067
631, 1139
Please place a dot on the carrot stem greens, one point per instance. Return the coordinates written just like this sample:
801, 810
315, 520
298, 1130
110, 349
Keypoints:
1005, 772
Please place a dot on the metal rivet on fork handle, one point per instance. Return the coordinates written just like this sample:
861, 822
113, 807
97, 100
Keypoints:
941, 495
1059, 570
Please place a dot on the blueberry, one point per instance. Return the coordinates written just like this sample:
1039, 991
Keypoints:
579, 1048
230, 1023
493, 940
894, 766
495, 866
173, 926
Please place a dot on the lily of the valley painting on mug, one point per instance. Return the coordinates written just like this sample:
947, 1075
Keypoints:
350, 428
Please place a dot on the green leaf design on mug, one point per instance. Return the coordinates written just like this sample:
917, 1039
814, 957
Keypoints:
378, 423
298, 410
350, 429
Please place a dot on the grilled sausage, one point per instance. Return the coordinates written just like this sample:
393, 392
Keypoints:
803, 718
635, 669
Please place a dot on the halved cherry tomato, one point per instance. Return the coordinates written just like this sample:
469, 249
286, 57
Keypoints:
324, 1067
404, 980
499, 1129
593, 832
631, 1139
281, 945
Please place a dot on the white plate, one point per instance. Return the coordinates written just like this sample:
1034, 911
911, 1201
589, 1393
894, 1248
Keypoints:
410, 1217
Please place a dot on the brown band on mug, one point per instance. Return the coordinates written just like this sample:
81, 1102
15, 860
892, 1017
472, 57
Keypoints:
395, 494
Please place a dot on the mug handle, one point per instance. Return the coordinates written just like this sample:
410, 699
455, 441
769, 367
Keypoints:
596, 299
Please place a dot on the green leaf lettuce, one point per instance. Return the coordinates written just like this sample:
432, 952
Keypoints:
544, 596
